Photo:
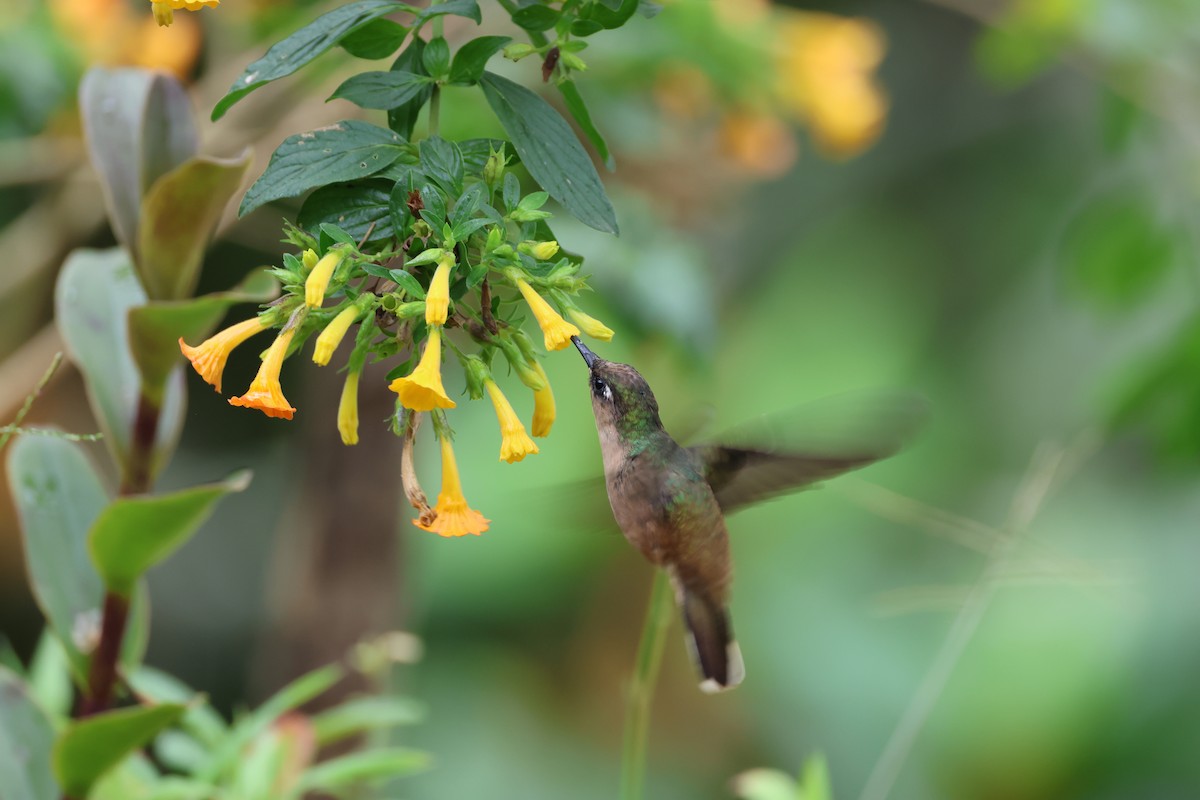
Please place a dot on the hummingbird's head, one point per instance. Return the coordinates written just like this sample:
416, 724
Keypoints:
621, 398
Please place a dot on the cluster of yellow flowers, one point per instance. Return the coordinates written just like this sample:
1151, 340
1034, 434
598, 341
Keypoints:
422, 389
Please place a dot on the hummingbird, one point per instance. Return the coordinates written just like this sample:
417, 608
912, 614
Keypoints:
670, 502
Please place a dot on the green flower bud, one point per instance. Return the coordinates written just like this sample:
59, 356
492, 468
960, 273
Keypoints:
516, 359
519, 50
477, 374
409, 310
309, 259
493, 170
495, 238
573, 62
542, 251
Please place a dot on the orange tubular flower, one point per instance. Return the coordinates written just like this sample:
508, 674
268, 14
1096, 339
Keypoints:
209, 357
164, 9
515, 443
556, 330
543, 406
265, 393
454, 516
422, 389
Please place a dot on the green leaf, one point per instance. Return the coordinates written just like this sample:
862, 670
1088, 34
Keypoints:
138, 126
377, 39
1115, 251
403, 119
26, 739
550, 151
536, 18
436, 57
156, 328
442, 162
200, 720
58, 495
136, 532
581, 115
814, 778
363, 768
50, 675
608, 17
179, 214
347, 151
93, 296
354, 207
365, 714
406, 281
384, 90
471, 59
464, 209
172, 787
296, 693
89, 748
459, 8
292, 53
434, 211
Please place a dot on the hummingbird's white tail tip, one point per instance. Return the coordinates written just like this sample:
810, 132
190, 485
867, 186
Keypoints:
736, 672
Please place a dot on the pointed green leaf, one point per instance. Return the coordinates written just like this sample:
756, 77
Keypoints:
377, 39
403, 119
536, 18
409, 283
179, 214
134, 533
296, 693
365, 714
156, 328
50, 675
581, 115
347, 151
95, 291
355, 208
470, 60
443, 162
26, 740
366, 768
383, 90
200, 720
89, 748
609, 17
550, 151
459, 8
58, 495
292, 53
138, 126
436, 57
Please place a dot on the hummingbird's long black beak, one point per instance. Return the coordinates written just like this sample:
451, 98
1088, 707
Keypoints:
589, 357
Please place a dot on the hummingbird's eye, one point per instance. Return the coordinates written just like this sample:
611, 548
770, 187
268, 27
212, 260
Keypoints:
600, 388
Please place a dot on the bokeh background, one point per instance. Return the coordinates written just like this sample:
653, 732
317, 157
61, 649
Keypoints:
991, 204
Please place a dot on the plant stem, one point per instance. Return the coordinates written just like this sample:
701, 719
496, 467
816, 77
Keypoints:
102, 675
435, 98
641, 689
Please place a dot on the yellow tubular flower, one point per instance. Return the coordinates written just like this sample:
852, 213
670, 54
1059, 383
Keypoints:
515, 443
543, 406
265, 393
347, 418
209, 357
590, 325
454, 516
164, 15
556, 330
332, 336
422, 389
437, 302
318, 280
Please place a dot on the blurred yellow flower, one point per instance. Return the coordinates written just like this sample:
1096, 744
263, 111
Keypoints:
826, 66
265, 393
422, 389
759, 144
556, 330
515, 443
318, 280
454, 516
590, 325
347, 416
437, 302
209, 357
543, 406
164, 9
112, 33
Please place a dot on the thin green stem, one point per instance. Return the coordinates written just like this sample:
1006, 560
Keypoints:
435, 98
641, 688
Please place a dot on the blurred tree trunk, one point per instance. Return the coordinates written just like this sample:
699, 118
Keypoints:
335, 571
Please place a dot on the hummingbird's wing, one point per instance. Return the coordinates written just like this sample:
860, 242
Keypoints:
825, 440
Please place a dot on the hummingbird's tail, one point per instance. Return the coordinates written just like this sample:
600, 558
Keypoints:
710, 639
